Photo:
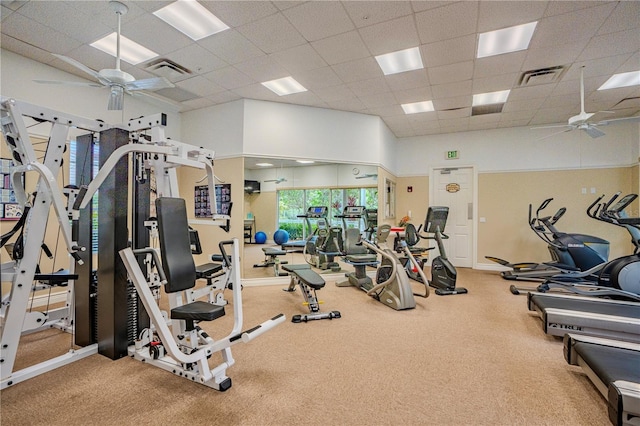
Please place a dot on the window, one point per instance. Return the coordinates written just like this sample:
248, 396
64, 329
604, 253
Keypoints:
72, 180
295, 202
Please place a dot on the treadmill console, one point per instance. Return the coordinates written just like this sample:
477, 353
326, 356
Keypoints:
317, 212
352, 212
436, 218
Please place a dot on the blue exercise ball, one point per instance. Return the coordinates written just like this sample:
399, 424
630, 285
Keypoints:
261, 237
280, 236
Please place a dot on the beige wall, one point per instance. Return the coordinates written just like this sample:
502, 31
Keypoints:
416, 201
504, 202
264, 208
230, 171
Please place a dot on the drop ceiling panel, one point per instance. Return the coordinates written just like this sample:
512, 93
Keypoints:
493, 15
408, 80
360, 69
341, 48
231, 46
167, 39
262, 34
196, 58
390, 36
450, 51
30, 31
451, 21
316, 20
263, 68
299, 58
200, 85
319, 78
237, 13
229, 78
553, 30
450, 73
553, 56
365, 13
624, 17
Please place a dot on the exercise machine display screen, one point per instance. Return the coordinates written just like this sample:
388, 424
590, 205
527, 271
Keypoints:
436, 218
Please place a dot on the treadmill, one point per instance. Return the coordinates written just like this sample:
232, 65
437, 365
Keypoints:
614, 368
313, 212
605, 318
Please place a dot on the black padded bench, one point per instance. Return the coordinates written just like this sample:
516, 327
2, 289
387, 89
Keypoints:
309, 281
271, 258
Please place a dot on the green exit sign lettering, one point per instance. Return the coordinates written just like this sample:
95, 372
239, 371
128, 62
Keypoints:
452, 155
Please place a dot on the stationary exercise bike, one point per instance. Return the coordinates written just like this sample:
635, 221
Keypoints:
392, 286
443, 273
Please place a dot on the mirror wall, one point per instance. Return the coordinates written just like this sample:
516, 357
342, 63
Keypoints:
260, 209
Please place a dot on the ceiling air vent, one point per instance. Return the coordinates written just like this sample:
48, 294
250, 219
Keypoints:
486, 109
541, 76
164, 67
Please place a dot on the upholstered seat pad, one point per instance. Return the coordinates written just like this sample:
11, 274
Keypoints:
198, 311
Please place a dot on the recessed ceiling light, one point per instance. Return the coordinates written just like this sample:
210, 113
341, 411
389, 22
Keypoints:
305, 161
264, 164
191, 18
130, 51
622, 80
417, 107
505, 40
490, 98
400, 61
284, 86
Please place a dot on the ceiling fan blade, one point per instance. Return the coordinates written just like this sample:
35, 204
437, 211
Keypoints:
149, 84
613, 120
69, 83
83, 67
553, 126
593, 131
556, 133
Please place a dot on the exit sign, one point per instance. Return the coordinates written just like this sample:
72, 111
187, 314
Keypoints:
452, 155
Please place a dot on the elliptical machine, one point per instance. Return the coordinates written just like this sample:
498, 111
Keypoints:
443, 273
617, 278
569, 252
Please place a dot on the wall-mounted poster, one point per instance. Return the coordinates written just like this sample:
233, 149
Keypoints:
202, 200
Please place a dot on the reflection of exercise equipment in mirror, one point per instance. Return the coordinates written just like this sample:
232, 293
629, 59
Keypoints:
324, 243
308, 281
313, 213
392, 286
443, 273
272, 258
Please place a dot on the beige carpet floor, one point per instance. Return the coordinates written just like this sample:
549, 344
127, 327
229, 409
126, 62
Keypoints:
475, 359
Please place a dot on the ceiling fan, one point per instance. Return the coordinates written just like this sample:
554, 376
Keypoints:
118, 81
368, 175
581, 121
277, 181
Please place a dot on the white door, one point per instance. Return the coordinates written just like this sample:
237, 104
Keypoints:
453, 187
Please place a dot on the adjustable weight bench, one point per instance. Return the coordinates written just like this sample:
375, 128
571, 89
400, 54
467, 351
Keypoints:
272, 258
309, 281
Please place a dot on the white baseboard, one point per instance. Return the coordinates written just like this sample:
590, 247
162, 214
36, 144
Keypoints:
491, 267
48, 299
